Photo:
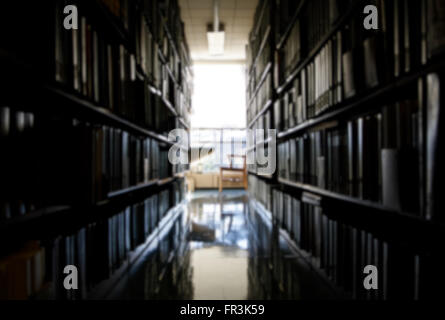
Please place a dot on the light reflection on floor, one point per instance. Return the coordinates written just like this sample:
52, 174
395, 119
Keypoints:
220, 249
219, 244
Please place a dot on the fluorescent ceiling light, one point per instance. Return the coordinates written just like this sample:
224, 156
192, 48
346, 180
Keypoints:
216, 43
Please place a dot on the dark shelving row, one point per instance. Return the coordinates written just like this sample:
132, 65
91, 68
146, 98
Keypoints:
85, 117
357, 118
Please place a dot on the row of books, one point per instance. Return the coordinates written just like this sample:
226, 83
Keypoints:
264, 122
147, 51
261, 63
342, 251
386, 151
319, 17
313, 22
257, 103
283, 282
292, 50
97, 251
285, 11
338, 250
261, 190
262, 25
156, 30
90, 63
354, 60
172, 259
374, 157
261, 240
120, 160
164, 18
290, 110
162, 31
261, 281
274, 273
82, 163
259, 55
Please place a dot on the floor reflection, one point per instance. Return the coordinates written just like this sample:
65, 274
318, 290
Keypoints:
220, 248
219, 242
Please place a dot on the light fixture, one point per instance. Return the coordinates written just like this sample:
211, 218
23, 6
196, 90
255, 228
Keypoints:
216, 43
215, 33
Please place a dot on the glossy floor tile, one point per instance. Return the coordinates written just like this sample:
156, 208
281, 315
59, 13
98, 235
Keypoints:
220, 248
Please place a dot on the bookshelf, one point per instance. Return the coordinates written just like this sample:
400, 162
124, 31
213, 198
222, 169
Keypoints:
260, 222
358, 131
105, 288
84, 122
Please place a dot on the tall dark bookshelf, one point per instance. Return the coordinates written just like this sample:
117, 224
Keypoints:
85, 116
358, 119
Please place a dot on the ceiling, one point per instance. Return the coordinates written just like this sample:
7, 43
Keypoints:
236, 15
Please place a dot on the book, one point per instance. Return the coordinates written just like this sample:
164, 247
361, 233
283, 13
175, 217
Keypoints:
390, 182
436, 25
433, 155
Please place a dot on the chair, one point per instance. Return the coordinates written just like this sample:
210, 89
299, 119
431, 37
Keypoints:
242, 173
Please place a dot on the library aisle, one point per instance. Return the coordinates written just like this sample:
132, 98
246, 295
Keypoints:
128, 129
222, 259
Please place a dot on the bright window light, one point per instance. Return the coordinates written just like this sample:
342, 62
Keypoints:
219, 99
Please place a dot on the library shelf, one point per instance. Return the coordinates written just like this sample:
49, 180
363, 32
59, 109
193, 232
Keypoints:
334, 128
334, 195
261, 48
295, 249
263, 77
107, 286
265, 108
266, 215
83, 107
375, 216
72, 215
32, 86
292, 22
300, 66
157, 92
140, 187
365, 100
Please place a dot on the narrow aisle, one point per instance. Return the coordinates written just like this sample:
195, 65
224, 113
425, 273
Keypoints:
220, 248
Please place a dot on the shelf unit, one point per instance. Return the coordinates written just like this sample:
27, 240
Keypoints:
28, 88
378, 220
266, 218
65, 217
344, 18
104, 289
364, 102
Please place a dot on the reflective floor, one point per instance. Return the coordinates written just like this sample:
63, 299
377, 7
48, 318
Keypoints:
220, 248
